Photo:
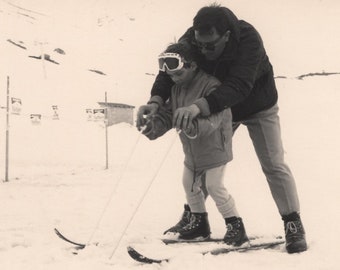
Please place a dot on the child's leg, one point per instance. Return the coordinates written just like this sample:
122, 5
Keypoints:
215, 186
194, 194
236, 233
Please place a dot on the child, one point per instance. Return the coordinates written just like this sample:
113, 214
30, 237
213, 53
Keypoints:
207, 145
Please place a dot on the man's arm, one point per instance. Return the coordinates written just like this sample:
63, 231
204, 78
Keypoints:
203, 126
160, 93
158, 124
161, 88
249, 63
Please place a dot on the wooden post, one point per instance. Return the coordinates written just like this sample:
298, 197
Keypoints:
106, 133
43, 58
7, 133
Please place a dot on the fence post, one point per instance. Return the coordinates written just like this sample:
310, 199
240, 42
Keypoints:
106, 133
7, 133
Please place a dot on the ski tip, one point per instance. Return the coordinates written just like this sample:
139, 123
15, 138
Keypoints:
131, 249
134, 254
61, 236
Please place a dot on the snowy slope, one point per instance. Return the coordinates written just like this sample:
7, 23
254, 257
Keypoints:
57, 175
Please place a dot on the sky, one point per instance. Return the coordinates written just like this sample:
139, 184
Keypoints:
102, 35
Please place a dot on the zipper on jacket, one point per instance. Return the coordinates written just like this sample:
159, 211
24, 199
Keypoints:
194, 164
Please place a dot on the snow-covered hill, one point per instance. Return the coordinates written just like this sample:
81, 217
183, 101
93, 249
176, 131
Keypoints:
57, 175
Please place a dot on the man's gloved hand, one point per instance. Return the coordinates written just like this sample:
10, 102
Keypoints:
184, 116
157, 124
145, 112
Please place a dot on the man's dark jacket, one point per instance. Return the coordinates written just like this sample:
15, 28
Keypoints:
244, 69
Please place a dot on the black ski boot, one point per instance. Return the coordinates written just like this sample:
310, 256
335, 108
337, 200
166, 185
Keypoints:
295, 233
185, 220
197, 228
236, 234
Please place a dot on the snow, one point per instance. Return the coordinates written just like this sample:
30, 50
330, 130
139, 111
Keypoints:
57, 175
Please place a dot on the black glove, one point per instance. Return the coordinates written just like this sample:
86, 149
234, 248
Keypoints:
145, 112
157, 124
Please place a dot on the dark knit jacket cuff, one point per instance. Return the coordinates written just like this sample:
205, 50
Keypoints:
203, 105
156, 99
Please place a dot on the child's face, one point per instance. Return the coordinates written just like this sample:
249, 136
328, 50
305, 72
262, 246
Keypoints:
182, 76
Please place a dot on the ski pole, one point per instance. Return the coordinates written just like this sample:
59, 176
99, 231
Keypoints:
115, 186
144, 195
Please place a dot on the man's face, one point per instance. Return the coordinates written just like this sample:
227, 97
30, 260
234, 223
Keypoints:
211, 44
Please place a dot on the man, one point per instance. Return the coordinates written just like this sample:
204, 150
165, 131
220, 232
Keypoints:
232, 51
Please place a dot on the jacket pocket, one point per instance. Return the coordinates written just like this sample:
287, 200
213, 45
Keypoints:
222, 139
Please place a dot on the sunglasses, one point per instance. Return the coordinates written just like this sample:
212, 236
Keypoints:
209, 46
170, 62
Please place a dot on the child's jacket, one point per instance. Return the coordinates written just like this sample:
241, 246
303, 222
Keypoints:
212, 145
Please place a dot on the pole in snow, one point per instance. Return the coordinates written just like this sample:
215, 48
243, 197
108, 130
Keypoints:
7, 132
106, 134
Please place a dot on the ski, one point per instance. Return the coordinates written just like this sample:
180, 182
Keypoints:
259, 246
134, 254
61, 236
172, 241
182, 241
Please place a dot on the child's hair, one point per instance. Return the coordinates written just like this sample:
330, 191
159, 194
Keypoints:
184, 50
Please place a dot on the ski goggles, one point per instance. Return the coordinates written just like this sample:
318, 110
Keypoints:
170, 62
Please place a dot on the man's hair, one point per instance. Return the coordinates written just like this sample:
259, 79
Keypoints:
184, 50
211, 16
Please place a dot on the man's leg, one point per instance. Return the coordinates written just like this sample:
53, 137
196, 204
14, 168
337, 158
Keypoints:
264, 130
